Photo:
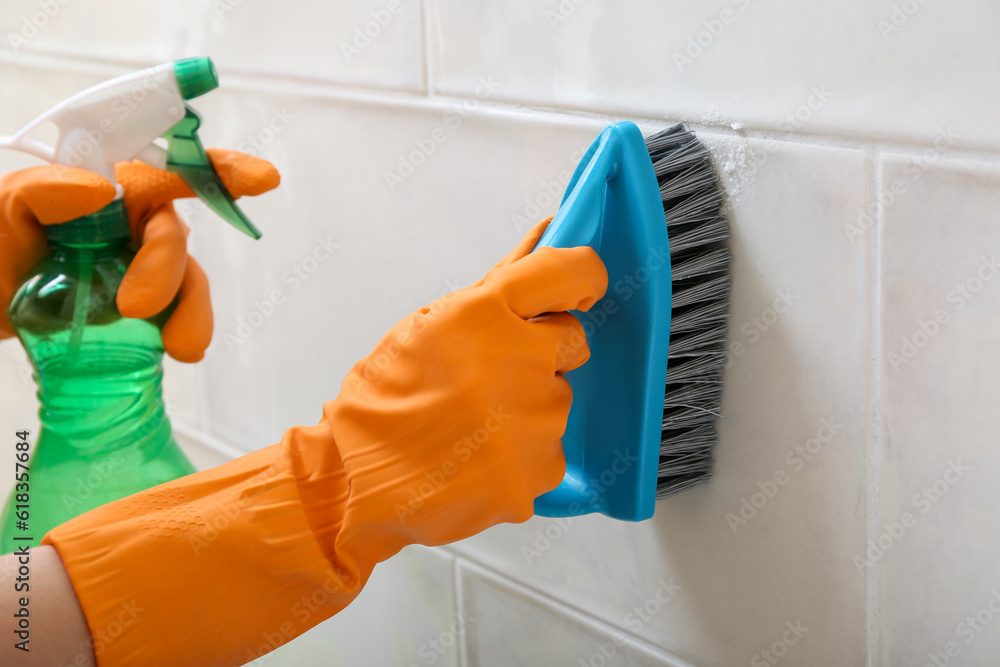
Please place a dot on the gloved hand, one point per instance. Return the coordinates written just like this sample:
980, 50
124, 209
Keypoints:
52, 194
451, 425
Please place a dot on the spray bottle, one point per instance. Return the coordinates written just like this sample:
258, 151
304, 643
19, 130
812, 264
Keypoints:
104, 430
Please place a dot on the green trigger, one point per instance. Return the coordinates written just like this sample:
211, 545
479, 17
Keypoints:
187, 158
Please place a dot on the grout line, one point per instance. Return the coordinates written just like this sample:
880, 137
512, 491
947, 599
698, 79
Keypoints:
287, 84
560, 607
874, 518
874, 148
459, 597
425, 35
68, 62
251, 80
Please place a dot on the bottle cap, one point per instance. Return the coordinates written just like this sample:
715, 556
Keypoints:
195, 76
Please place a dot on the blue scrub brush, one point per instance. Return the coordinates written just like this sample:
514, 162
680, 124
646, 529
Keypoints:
651, 209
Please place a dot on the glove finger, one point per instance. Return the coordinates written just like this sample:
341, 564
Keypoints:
188, 332
551, 280
52, 194
148, 188
550, 467
543, 466
524, 246
244, 174
566, 338
155, 275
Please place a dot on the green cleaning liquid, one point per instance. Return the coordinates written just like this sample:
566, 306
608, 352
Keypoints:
104, 430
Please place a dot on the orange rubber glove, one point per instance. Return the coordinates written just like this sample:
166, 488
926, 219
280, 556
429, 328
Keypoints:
451, 425
53, 194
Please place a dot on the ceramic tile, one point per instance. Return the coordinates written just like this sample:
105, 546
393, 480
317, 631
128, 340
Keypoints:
203, 455
372, 43
508, 626
885, 68
767, 546
143, 31
362, 42
405, 616
941, 308
182, 392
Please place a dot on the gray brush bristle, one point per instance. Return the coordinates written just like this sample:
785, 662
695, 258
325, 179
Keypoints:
697, 229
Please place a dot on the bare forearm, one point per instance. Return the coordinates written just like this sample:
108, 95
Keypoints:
53, 631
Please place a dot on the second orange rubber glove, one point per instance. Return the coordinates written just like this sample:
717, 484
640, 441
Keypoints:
451, 425
161, 269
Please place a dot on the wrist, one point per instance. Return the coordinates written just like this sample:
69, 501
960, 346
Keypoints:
225, 564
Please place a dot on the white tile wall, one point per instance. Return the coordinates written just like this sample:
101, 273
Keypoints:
405, 616
935, 549
829, 65
362, 42
861, 217
744, 575
496, 611
144, 32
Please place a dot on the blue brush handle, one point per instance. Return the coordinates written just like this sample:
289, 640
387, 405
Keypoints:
581, 212
612, 438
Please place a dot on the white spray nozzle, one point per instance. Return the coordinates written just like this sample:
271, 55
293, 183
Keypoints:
112, 122
142, 116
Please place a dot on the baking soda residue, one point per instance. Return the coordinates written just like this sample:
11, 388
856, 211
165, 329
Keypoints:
735, 160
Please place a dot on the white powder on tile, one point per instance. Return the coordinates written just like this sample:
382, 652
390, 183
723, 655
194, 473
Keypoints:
732, 157
734, 162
